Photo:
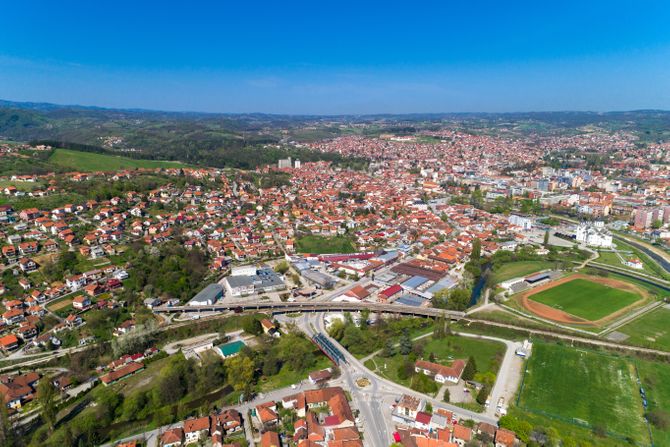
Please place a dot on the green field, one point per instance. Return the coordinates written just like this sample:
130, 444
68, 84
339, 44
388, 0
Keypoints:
585, 388
585, 299
90, 161
519, 268
652, 330
324, 245
655, 378
487, 354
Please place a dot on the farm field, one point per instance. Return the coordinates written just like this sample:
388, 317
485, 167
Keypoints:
90, 161
652, 330
520, 268
585, 299
324, 245
584, 388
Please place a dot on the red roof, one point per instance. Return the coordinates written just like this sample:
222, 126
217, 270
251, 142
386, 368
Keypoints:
391, 290
423, 418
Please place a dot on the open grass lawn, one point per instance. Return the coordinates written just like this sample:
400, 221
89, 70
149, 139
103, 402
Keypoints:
90, 161
655, 378
323, 245
487, 355
652, 330
287, 377
585, 299
570, 384
519, 268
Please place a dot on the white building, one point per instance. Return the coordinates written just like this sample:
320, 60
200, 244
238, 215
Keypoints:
593, 236
526, 223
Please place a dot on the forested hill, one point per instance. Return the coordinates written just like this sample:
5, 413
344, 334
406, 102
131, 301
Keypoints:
240, 141
248, 140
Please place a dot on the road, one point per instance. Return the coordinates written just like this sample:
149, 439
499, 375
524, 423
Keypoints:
374, 402
152, 437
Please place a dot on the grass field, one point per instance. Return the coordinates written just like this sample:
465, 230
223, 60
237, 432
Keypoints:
585, 299
519, 268
90, 161
652, 330
655, 377
323, 245
487, 355
569, 384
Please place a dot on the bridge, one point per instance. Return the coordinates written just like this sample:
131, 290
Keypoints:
327, 306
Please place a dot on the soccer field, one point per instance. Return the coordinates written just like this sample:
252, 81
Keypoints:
585, 299
584, 387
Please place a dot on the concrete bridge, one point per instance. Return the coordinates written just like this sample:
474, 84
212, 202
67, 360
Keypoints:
316, 306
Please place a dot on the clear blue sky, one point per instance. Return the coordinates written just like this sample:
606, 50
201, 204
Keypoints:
338, 56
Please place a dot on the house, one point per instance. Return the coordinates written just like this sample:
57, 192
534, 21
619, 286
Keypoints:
267, 413
461, 435
122, 373
270, 439
27, 265
9, 342
230, 421
13, 316
441, 373
18, 390
407, 409
73, 320
422, 420
81, 302
173, 437
196, 429
317, 377
269, 327
505, 438
94, 289
124, 328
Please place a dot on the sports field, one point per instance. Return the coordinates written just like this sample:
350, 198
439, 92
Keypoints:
323, 245
585, 298
90, 161
584, 388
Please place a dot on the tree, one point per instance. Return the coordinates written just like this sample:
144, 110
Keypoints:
441, 327
476, 250
405, 344
446, 396
483, 394
282, 267
46, 397
7, 433
240, 370
389, 349
546, 239
251, 325
470, 369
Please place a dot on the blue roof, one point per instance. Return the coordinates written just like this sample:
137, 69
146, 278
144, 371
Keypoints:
445, 283
410, 300
414, 282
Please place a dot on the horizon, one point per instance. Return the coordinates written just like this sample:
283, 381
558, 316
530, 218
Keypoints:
93, 107
372, 59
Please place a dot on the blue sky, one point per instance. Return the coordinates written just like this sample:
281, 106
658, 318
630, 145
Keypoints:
339, 57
